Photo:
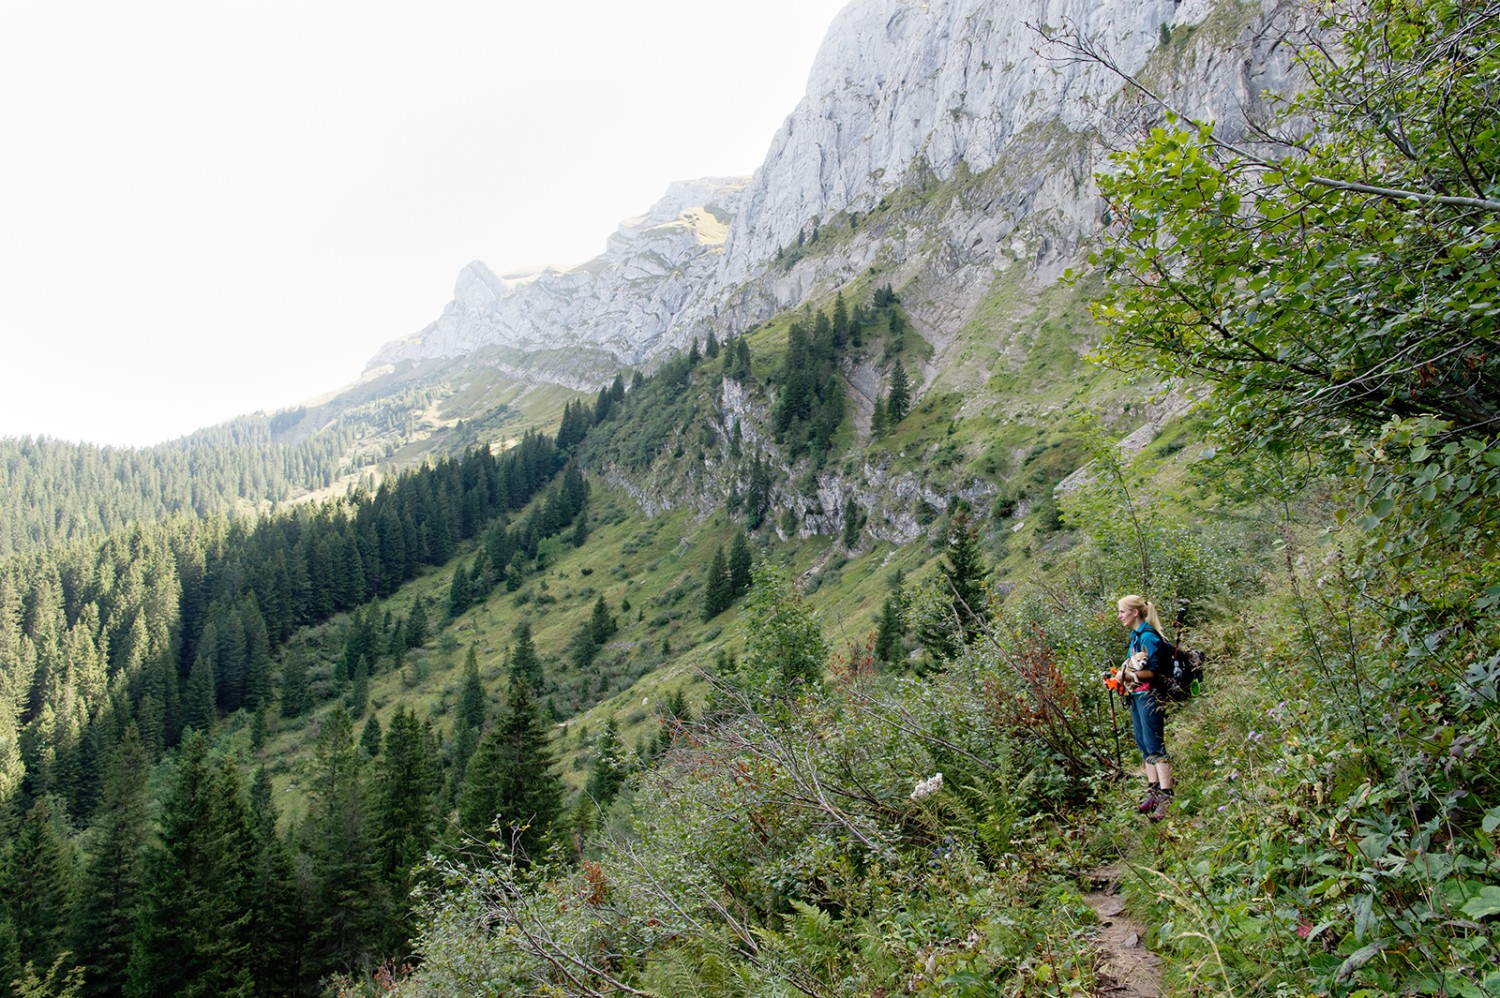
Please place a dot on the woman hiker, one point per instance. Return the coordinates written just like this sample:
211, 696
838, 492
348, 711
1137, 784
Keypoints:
1147, 718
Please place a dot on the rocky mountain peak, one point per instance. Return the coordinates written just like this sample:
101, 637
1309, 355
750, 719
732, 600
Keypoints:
900, 89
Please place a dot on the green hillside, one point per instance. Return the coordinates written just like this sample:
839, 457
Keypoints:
778, 669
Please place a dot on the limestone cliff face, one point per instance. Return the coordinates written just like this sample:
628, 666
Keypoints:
624, 301
902, 92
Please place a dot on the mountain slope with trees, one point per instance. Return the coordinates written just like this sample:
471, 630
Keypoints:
729, 687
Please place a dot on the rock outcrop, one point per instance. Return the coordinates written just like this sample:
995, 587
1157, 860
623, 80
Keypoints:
902, 93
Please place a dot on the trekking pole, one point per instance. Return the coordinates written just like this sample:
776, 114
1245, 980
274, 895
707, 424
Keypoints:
1114, 725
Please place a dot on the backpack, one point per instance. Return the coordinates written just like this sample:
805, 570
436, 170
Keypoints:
1183, 677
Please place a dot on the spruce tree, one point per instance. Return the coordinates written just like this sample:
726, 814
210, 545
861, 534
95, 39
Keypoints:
458, 592
511, 780
193, 935
38, 883
371, 737
524, 663
899, 400
740, 564
407, 784
854, 520
889, 631
610, 767
471, 698
199, 712
113, 882
602, 624
278, 919
416, 624
964, 571
349, 897
718, 591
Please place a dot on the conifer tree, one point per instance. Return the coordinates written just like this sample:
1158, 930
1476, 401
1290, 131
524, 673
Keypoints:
257, 654
964, 570
193, 936
458, 592
610, 767
471, 698
199, 712
718, 591
277, 916
416, 624
889, 630
511, 779
524, 663
739, 368
877, 419
740, 565
359, 689
602, 624
113, 882
899, 399
350, 899
38, 883
406, 788
711, 348
371, 737
854, 521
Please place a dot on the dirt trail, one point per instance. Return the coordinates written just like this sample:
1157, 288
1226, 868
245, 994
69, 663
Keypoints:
1126, 968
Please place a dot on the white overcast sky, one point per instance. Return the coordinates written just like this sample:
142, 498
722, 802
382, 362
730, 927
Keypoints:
211, 207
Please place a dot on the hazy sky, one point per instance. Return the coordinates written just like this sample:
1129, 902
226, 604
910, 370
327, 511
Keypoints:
213, 207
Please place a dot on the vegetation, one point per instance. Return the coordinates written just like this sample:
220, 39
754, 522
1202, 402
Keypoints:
485, 729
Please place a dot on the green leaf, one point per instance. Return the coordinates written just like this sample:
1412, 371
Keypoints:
1486, 904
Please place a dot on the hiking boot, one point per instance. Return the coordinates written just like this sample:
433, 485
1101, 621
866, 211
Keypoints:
1162, 806
1148, 803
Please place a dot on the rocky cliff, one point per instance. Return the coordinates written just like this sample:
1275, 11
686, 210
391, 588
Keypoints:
903, 94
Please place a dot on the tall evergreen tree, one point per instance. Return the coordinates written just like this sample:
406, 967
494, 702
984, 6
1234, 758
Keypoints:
511, 779
113, 875
610, 766
718, 590
371, 737
350, 898
899, 400
854, 521
471, 697
458, 592
740, 565
889, 630
199, 712
407, 783
964, 571
38, 883
193, 937
524, 663
277, 916
602, 624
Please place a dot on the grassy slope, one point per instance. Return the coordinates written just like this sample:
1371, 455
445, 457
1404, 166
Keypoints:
1016, 436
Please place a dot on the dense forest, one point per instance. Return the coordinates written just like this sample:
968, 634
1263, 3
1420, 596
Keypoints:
54, 491
817, 806
121, 656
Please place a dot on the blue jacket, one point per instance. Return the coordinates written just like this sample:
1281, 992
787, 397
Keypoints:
1145, 638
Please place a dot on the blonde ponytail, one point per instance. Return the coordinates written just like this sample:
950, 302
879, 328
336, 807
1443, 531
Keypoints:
1146, 609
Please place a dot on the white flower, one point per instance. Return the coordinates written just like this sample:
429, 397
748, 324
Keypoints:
928, 787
